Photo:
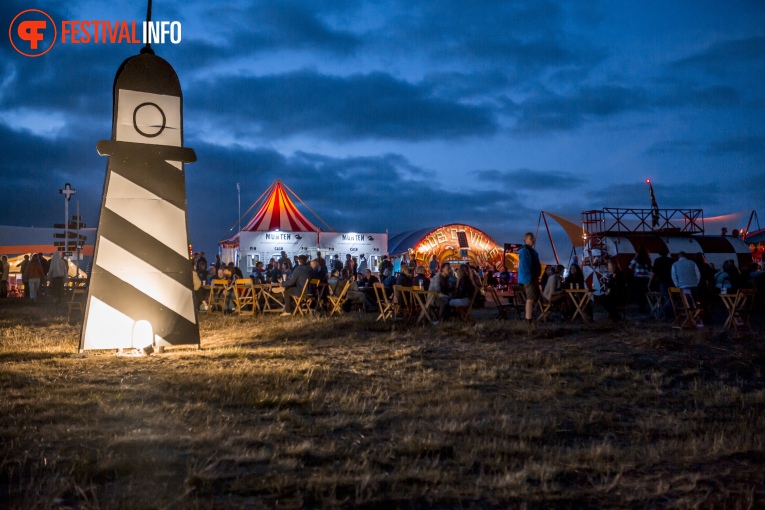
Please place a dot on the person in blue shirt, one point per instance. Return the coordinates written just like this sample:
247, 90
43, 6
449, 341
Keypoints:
529, 269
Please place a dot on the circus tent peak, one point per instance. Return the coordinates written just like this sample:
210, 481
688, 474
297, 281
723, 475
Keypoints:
278, 212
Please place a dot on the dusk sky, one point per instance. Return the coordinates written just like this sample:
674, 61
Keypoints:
401, 115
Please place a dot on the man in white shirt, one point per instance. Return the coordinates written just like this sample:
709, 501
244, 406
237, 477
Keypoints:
685, 273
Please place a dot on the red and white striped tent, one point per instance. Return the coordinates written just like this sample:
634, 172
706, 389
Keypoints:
277, 226
277, 212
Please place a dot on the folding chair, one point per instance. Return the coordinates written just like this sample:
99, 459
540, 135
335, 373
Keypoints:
502, 308
402, 301
305, 303
463, 312
386, 307
743, 308
336, 302
244, 297
519, 300
545, 309
272, 301
217, 296
76, 303
687, 316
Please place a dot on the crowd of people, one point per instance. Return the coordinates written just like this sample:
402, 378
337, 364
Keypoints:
453, 283
623, 286
454, 288
38, 275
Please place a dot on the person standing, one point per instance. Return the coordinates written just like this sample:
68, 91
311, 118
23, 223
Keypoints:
685, 273
5, 269
529, 269
350, 266
57, 274
362, 269
24, 278
201, 266
35, 274
641, 274
434, 266
661, 278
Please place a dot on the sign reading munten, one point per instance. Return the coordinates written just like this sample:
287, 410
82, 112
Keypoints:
354, 243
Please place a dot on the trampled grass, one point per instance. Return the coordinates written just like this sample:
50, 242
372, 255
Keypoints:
291, 413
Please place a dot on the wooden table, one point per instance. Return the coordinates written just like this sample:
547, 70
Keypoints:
731, 303
424, 300
580, 297
271, 302
655, 303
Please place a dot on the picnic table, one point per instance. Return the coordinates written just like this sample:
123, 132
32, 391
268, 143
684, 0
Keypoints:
423, 300
580, 298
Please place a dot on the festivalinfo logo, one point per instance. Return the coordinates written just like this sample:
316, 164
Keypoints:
33, 32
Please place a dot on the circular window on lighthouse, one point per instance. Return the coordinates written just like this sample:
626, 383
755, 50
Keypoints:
149, 119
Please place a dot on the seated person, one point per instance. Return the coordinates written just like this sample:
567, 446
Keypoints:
553, 289
286, 270
293, 286
404, 277
234, 270
505, 277
276, 274
480, 298
722, 280
463, 292
258, 275
389, 281
369, 279
491, 278
615, 295
353, 297
212, 273
420, 279
441, 285
318, 271
575, 278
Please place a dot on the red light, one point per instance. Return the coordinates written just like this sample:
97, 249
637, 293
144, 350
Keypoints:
648, 181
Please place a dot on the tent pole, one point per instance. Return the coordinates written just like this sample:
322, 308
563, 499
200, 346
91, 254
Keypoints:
248, 211
306, 206
549, 235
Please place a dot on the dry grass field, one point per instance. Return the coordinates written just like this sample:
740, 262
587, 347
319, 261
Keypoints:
306, 413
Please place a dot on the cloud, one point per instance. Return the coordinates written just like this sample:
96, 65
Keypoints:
670, 147
255, 28
547, 111
360, 106
528, 179
721, 58
36, 167
690, 194
744, 145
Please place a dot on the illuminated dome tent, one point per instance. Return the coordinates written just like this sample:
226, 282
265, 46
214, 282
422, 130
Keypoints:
449, 243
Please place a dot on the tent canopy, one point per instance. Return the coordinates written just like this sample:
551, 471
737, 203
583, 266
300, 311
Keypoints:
443, 242
275, 212
572, 224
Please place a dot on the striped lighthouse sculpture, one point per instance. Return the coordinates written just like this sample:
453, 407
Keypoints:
141, 289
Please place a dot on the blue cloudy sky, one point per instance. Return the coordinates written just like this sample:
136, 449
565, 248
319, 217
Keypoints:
400, 115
